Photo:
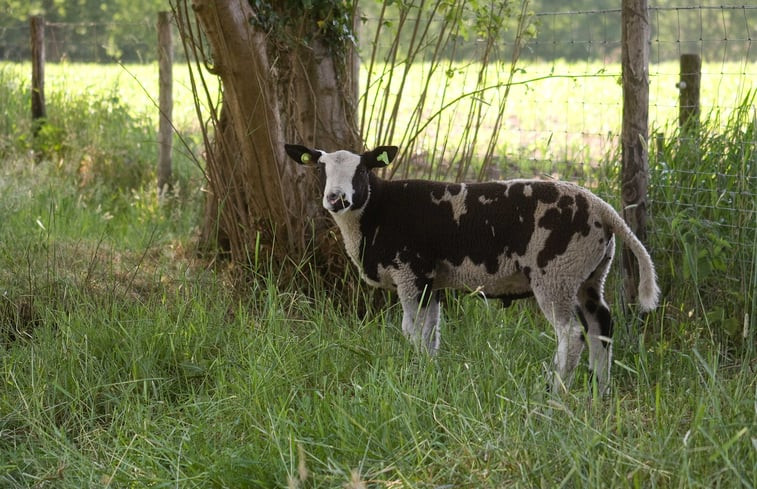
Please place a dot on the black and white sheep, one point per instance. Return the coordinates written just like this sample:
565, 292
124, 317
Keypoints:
507, 239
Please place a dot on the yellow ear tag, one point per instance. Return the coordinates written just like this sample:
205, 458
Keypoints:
305, 158
383, 157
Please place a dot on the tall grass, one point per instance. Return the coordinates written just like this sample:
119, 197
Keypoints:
125, 362
194, 386
80, 197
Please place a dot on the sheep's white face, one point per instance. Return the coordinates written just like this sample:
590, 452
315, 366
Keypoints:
344, 175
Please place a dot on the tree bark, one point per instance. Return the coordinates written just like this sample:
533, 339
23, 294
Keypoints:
272, 94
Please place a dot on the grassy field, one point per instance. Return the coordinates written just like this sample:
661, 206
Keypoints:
127, 362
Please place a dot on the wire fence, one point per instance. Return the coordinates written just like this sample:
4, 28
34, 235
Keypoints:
703, 208
704, 211
582, 98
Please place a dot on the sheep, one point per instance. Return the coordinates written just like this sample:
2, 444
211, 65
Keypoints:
505, 239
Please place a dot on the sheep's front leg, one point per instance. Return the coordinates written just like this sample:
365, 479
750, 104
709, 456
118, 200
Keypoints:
559, 306
420, 318
570, 343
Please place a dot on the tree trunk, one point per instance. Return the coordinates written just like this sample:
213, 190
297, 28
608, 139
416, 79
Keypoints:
258, 200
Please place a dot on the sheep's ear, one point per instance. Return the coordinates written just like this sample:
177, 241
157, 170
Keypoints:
379, 157
301, 154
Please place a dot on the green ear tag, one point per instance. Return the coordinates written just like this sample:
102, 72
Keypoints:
305, 158
383, 157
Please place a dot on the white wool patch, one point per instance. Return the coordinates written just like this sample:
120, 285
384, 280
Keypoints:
387, 278
349, 225
398, 274
457, 201
471, 276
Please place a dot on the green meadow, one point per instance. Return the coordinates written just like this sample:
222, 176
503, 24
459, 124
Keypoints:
127, 361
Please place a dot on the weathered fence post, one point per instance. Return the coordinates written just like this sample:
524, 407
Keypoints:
165, 101
37, 30
688, 108
635, 130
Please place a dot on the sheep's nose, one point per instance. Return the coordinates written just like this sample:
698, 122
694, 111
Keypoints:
334, 197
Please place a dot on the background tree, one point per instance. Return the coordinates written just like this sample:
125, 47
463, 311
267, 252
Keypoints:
288, 73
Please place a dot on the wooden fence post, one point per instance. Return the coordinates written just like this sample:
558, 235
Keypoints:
37, 31
635, 131
165, 102
691, 76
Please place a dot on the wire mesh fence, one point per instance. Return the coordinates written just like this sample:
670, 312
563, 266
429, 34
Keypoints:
703, 183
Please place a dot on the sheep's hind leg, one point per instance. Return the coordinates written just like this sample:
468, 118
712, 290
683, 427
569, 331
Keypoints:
598, 321
432, 317
421, 314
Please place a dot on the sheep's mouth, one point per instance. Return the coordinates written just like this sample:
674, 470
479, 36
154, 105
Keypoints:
338, 207
336, 204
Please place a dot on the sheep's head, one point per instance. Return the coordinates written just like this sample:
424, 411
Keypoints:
343, 175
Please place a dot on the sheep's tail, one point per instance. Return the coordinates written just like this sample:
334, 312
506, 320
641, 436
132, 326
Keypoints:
649, 292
